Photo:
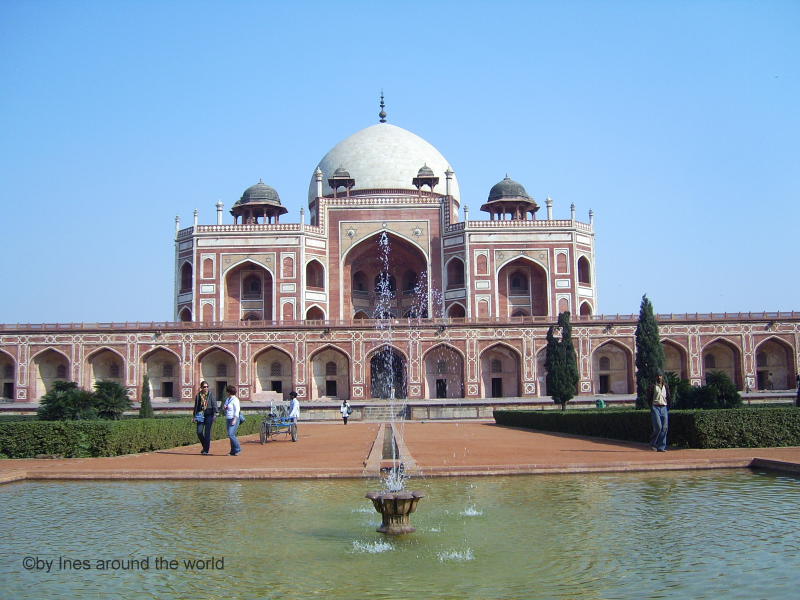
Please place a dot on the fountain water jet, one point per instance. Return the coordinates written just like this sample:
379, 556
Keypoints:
395, 504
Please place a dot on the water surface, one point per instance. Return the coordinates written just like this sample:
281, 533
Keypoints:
720, 534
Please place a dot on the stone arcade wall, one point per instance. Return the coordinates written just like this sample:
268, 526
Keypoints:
757, 350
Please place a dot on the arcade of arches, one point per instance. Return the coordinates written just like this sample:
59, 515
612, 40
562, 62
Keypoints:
440, 369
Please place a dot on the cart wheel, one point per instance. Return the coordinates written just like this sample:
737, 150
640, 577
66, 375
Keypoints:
293, 431
264, 432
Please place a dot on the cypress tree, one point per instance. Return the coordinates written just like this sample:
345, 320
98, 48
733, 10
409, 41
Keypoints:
649, 352
561, 362
145, 406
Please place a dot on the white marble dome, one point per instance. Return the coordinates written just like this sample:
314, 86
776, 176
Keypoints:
383, 156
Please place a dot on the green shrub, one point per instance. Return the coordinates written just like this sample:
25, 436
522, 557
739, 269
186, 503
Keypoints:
145, 405
719, 392
724, 428
26, 439
110, 399
67, 401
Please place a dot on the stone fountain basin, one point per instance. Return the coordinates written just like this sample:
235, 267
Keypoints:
395, 508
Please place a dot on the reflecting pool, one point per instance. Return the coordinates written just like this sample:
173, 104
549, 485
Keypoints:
711, 534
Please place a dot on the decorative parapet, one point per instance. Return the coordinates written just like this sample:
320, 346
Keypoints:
159, 326
522, 224
249, 228
293, 227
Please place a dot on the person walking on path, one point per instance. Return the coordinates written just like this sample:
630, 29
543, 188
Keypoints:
204, 413
659, 414
294, 407
232, 409
346, 411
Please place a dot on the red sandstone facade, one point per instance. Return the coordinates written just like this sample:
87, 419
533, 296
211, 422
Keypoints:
270, 307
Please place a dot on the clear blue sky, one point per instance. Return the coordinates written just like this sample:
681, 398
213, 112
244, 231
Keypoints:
678, 123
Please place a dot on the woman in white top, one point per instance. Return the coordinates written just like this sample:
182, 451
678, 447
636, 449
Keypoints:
232, 410
345, 410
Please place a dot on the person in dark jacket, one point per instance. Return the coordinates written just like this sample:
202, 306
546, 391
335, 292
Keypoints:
204, 413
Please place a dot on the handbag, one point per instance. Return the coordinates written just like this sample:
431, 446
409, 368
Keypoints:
200, 417
241, 418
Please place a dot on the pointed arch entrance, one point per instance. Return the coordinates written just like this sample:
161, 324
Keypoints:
363, 272
444, 372
675, 359
105, 365
163, 370
7, 377
218, 368
49, 366
387, 376
273, 373
722, 355
248, 293
500, 372
612, 369
774, 365
522, 285
330, 372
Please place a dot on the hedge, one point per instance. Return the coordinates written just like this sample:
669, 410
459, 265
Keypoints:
27, 439
720, 428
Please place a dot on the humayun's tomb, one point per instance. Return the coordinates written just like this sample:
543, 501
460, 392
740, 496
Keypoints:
271, 306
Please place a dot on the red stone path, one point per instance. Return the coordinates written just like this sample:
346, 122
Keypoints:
436, 449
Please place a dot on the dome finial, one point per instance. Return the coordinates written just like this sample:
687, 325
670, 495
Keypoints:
382, 114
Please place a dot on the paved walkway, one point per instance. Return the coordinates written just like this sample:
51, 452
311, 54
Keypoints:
327, 450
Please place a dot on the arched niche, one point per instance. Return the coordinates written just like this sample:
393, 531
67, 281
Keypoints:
444, 373
522, 284
105, 365
218, 368
584, 271
273, 369
49, 366
586, 309
387, 373
612, 369
8, 372
315, 313
370, 284
455, 273
330, 373
315, 275
456, 311
500, 372
722, 355
774, 365
186, 278
185, 314
248, 293
675, 359
163, 369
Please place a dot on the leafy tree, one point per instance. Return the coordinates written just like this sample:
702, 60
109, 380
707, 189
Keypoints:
111, 399
561, 362
649, 352
145, 406
66, 401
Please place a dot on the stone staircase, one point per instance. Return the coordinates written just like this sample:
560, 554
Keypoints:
385, 412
